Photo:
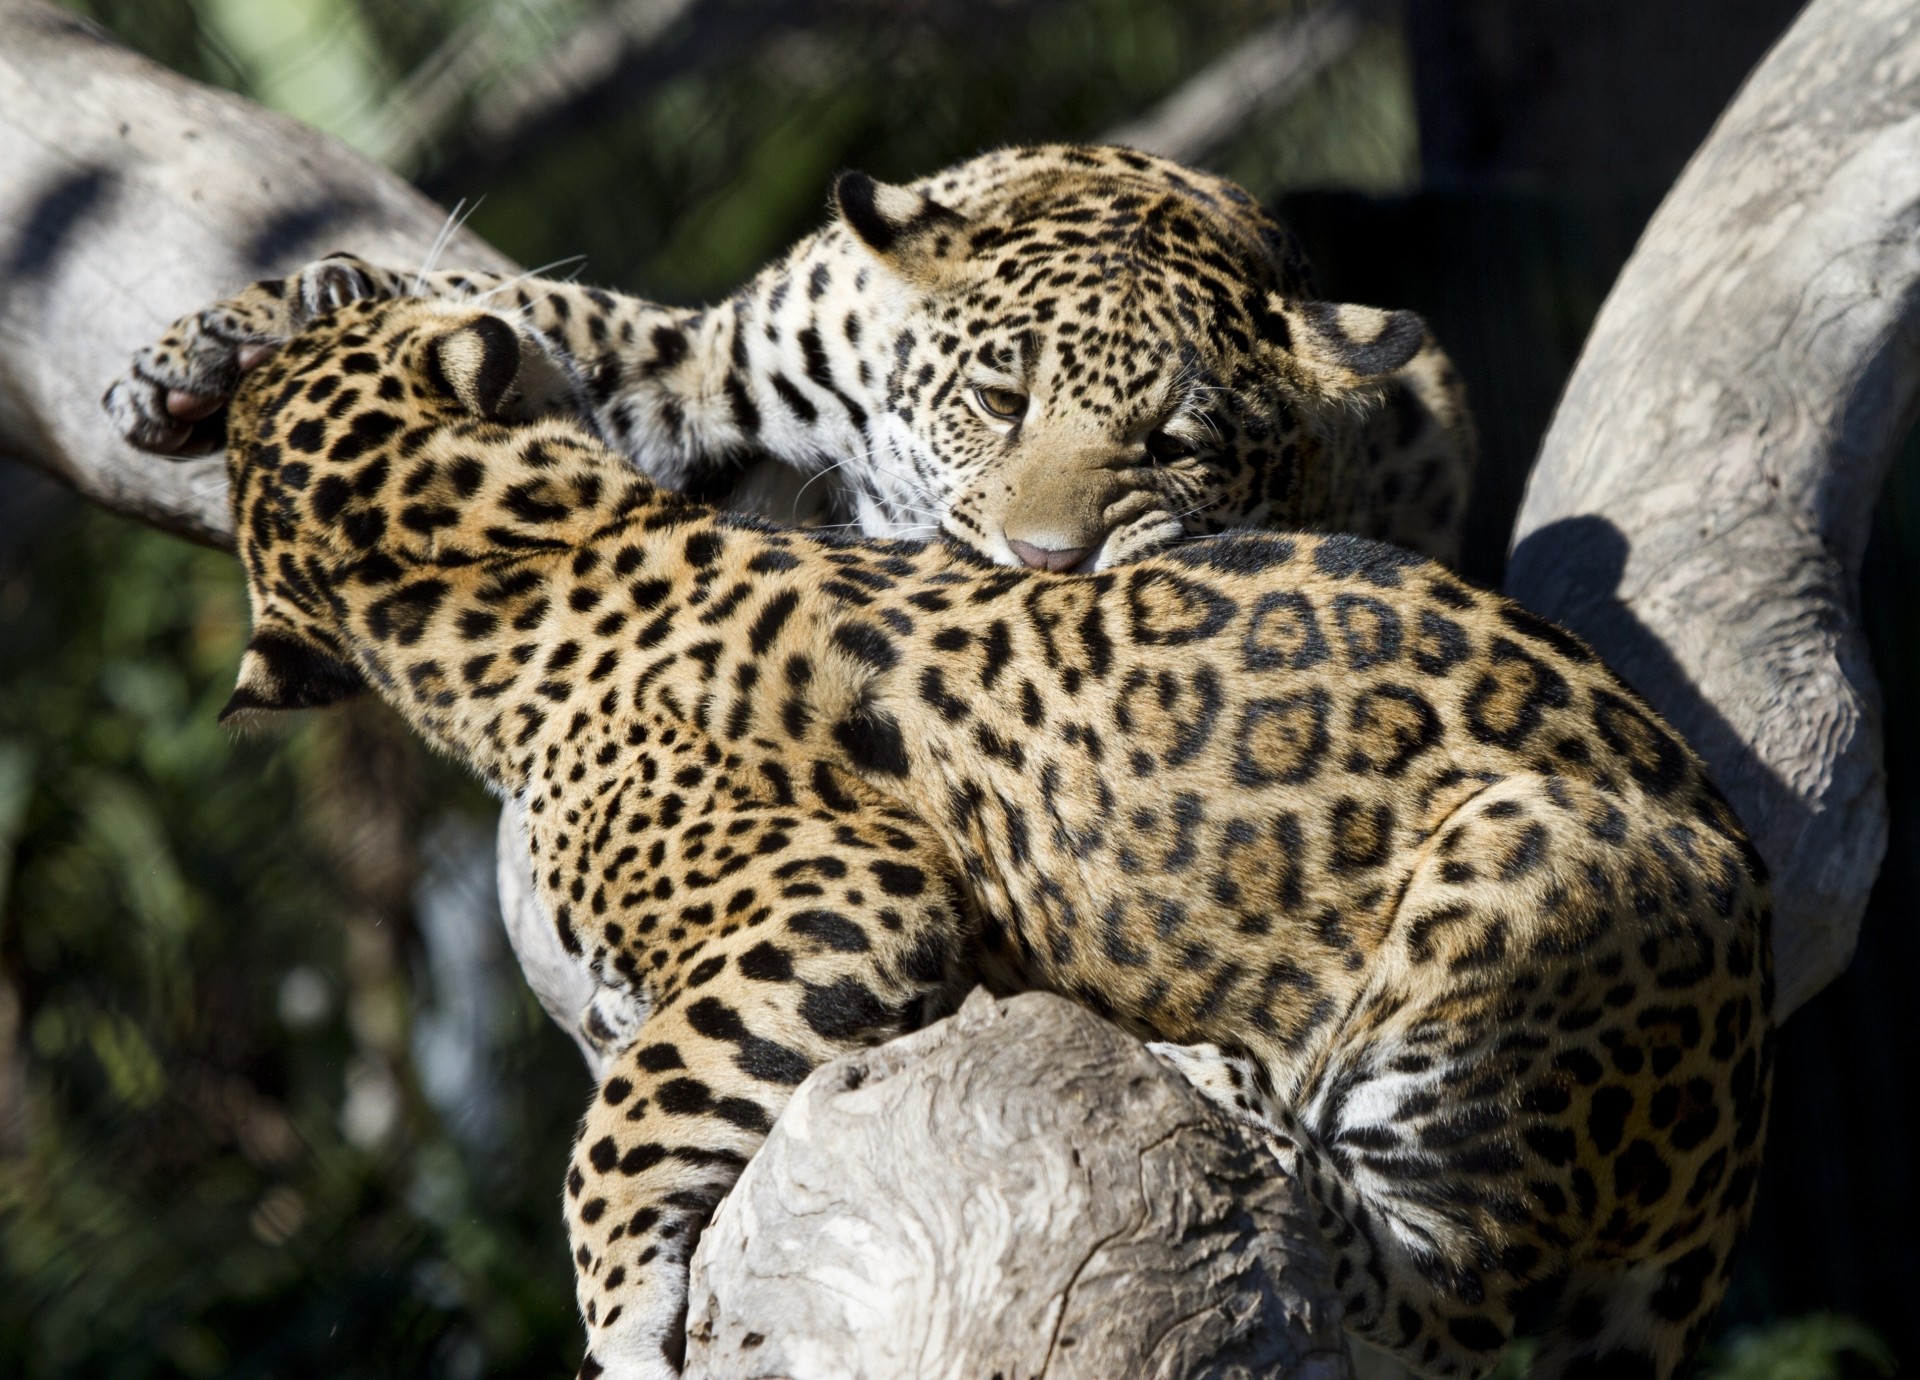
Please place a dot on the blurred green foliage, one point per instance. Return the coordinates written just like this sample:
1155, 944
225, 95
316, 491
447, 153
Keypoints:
273, 1102
1816, 1347
178, 1193
686, 177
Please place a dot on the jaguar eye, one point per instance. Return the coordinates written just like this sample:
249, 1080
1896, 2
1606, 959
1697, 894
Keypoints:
1163, 447
1002, 404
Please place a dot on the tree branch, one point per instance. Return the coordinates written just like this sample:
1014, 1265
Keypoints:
992, 1209
612, 64
1265, 70
130, 196
584, 83
422, 107
1701, 502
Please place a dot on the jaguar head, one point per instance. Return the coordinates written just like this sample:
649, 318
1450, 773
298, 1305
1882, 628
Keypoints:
350, 453
1108, 353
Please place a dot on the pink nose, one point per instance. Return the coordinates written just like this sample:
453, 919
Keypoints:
1040, 558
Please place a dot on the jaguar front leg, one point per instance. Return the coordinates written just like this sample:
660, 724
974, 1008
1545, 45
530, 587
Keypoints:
657, 382
669, 1130
172, 398
834, 934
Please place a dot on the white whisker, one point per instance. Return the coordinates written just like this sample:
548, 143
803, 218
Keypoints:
838, 464
520, 278
456, 218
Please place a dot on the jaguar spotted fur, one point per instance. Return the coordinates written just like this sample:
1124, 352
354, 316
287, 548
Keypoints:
1418, 886
1061, 356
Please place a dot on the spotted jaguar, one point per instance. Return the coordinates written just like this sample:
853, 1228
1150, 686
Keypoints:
1398, 872
1062, 356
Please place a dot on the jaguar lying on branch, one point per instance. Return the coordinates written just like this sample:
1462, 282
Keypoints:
1397, 872
1732, 611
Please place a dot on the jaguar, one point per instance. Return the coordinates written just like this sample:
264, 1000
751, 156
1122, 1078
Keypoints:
1398, 872
1062, 356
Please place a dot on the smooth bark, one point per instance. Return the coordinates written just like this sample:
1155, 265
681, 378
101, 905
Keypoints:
1020, 1190
1701, 502
130, 196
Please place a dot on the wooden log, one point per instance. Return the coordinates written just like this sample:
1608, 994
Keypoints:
130, 196
1019, 1190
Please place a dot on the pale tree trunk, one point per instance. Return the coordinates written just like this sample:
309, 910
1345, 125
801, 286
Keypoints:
1756, 366
1034, 1195
1700, 505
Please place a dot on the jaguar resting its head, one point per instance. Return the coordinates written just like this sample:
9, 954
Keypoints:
1105, 352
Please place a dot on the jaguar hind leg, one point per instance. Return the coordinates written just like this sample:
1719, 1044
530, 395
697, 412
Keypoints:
1479, 1169
1372, 1262
1227, 1080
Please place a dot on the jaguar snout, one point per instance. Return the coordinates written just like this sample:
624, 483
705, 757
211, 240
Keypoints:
1054, 558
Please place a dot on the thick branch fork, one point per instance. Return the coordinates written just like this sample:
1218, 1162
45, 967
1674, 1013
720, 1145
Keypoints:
1701, 502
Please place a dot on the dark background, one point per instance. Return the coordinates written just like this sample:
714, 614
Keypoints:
273, 1101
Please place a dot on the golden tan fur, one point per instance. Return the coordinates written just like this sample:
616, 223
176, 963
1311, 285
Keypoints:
1430, 896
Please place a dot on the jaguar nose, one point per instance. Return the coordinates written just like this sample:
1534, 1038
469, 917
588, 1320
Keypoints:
1049, 558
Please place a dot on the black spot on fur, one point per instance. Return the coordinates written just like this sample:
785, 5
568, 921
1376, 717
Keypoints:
757, 1057
898, 879
1607, 1119
845, 1010
1234, 554
1375, 562
1476, 1333
872, 740
831, 930
867, 644
767, 962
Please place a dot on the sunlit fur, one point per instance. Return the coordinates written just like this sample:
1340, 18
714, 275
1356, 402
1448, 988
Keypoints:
1419, 888
1133, 302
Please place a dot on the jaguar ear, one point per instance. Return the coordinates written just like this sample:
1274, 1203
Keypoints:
907, 228
1340, 345
489, 368
282, 670
476, 364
